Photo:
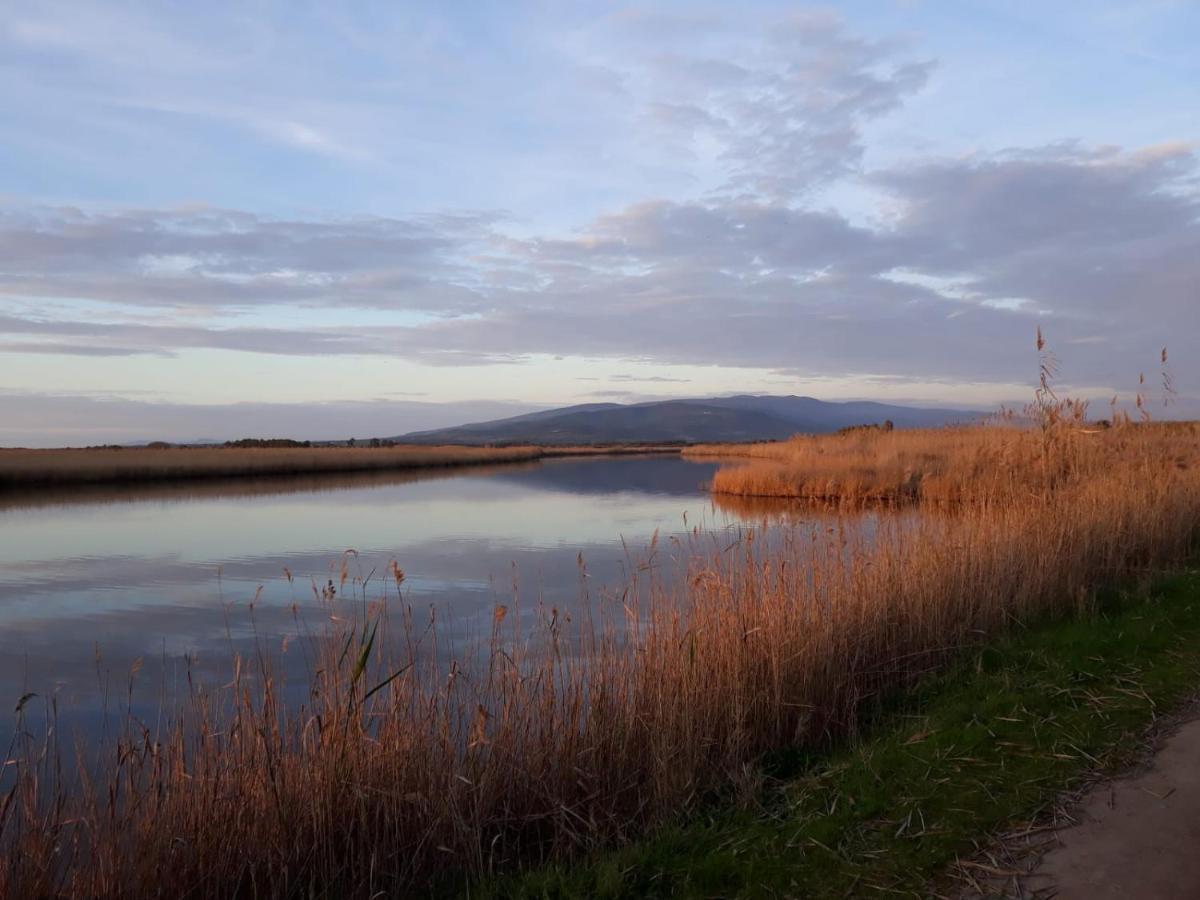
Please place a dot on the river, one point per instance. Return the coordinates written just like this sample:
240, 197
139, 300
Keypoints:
101, 585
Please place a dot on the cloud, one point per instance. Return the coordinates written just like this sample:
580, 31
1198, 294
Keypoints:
657, 379
211, 258
938, 269
65, 349
1087, 243
1103, 241
780, 111
107, 339
1098, 246
802, 125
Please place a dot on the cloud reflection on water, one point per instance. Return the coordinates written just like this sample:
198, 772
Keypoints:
190, 574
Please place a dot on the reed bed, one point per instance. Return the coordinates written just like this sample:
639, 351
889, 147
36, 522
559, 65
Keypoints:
21, 469
406, 768
953, 465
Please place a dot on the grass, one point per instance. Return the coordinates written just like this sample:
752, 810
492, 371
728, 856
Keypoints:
21, 469
987, 746
595, 726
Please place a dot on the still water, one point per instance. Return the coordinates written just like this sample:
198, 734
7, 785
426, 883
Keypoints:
96, 583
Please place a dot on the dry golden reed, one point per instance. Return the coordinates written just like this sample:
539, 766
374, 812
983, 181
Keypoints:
22, 469
999, 462
408, 764
595, 726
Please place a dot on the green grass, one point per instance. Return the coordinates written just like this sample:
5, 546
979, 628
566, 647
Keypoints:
935, 771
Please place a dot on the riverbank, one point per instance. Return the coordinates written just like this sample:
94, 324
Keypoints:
25, 469
906, 807
573, 729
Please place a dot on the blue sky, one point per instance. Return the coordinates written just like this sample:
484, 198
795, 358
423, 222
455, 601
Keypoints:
219, 219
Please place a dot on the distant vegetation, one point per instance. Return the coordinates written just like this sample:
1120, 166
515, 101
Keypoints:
247, 458
21, 468
265, 442
406, 770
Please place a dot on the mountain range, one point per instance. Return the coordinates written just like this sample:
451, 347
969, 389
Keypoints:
711, 419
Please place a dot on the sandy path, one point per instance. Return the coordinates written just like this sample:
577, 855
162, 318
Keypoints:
1136, 838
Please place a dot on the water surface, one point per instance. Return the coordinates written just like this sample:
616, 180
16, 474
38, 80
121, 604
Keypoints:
96, 582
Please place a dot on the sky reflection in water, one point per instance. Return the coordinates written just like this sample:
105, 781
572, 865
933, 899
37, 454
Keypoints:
92, 580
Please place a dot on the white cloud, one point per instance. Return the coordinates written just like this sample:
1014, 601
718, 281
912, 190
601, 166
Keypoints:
980, 252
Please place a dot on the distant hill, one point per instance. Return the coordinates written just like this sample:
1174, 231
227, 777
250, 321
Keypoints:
713, 419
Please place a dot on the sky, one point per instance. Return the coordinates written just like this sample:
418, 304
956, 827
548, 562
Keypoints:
326, 220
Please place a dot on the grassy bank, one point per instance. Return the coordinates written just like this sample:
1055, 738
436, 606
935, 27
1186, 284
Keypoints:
986, 747
21, 469
598, 725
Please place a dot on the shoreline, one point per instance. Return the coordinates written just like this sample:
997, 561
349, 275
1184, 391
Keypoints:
31, 471
777, 677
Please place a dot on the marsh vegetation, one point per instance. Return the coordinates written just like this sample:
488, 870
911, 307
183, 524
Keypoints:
22, 469
404, 768
968, 465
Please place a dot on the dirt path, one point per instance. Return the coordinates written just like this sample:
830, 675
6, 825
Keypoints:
1136, 838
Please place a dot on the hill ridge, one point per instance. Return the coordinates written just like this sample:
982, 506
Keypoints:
740, 417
